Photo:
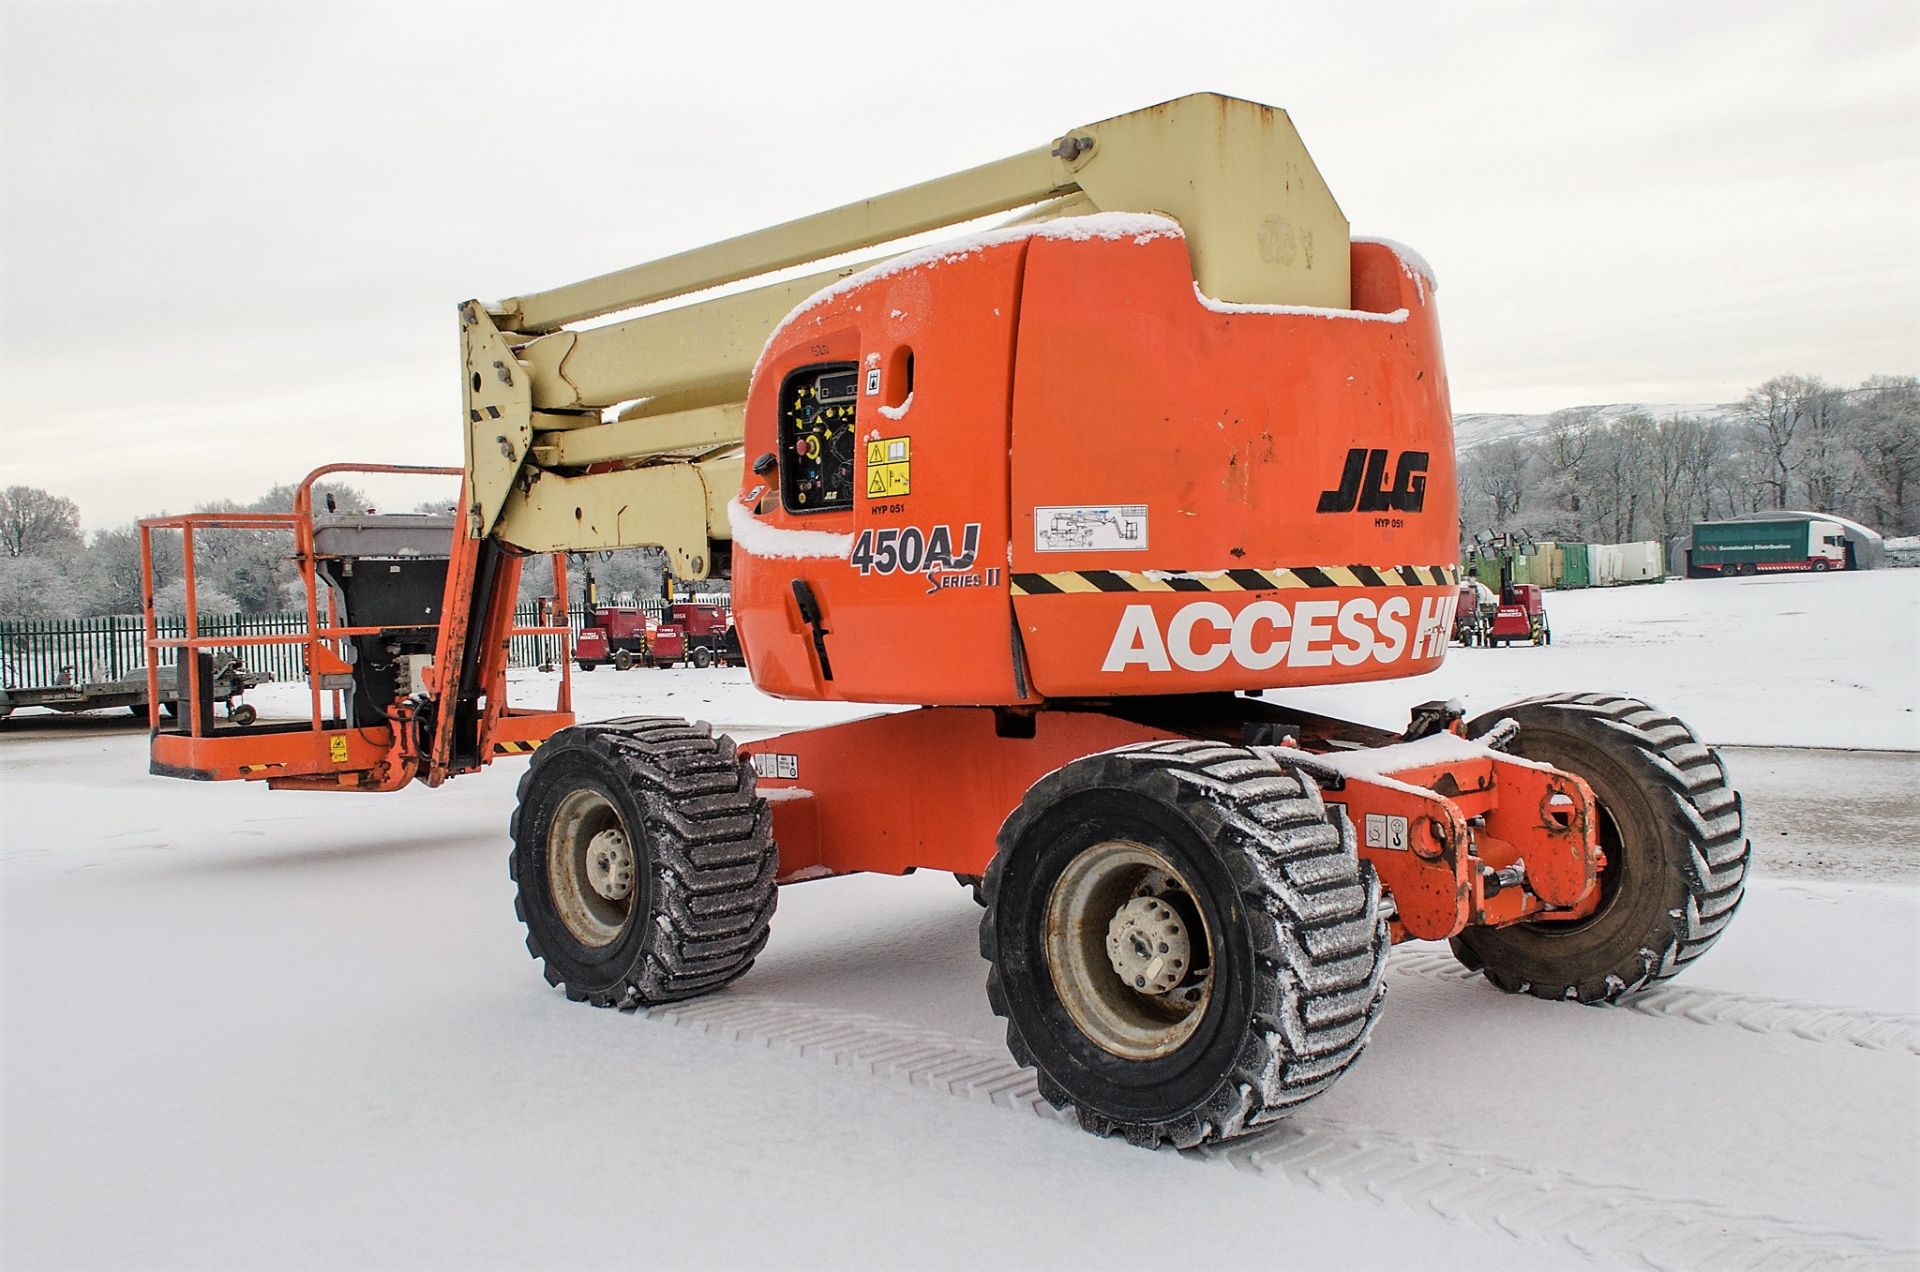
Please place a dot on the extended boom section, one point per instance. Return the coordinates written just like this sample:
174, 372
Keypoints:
620, 434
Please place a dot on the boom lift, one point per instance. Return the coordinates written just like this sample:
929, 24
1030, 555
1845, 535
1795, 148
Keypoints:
1081, 488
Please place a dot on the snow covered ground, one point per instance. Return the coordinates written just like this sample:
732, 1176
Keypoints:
244, 1028
1785, 659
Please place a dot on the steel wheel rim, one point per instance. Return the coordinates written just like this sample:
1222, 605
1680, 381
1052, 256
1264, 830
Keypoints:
580, 842
1083, 909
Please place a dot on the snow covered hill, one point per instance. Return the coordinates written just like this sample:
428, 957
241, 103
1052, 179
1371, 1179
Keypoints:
1472, 429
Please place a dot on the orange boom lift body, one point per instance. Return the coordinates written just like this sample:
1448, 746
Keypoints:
1077, 506
1080, 510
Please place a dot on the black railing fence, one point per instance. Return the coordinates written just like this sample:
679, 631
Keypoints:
39, 652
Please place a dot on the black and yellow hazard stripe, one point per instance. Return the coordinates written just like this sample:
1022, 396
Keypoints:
1068, 582
515, 748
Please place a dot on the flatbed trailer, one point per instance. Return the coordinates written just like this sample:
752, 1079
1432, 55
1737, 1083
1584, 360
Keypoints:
229, 681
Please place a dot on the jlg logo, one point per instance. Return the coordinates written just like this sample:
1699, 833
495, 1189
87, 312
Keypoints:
1363, 483
1206, 635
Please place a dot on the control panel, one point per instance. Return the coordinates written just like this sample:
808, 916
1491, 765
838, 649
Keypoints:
817, 406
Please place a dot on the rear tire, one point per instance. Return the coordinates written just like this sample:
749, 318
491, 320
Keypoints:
586, 665
645, 862
702, 656
1203, 849
622, 660
1671, 828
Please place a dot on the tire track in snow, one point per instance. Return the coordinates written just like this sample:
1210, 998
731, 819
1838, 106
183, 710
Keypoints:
1495, 1194
1756, 1013
869, 1044
1547, 1207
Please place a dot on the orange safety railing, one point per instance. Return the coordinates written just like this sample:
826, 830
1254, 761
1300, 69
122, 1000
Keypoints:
324, 640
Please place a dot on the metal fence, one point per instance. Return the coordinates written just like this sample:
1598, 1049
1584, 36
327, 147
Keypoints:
56, 651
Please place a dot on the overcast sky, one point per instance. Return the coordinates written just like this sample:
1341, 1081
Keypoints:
234, 235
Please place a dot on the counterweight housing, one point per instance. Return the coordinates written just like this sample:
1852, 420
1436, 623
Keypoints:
1045, 465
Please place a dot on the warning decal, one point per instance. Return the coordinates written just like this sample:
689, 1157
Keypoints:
1386, 832
337, 748
887, 461
769, 764
1104, 528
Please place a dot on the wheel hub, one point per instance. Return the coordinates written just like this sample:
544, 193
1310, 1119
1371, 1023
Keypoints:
1148, 945
610, 864
1128, 950
592, 868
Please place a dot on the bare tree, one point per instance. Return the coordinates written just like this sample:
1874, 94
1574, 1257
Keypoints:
36, 587
1500, 477
34, 522
1619, 489
1565, 447
1884, 430
1776, 413
1829, 470
112, 569
1672, 445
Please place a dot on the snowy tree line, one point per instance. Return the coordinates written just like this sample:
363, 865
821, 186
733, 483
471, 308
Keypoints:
1793, 442
49, 568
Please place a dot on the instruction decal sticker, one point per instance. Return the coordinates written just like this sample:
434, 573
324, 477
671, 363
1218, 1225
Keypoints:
1386, 832
887, 467
772, 764
1100, 528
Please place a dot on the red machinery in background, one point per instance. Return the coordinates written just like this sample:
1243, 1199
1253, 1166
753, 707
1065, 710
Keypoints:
1521, 616
1521, 612
625, 636
694, 631
615, 634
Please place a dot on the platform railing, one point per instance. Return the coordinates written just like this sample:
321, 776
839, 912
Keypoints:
323, 643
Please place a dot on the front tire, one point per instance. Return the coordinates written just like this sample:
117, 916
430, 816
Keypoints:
1671, 827
1182, 941
645, 861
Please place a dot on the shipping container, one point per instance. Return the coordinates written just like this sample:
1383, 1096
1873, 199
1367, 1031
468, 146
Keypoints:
1753, 547
1573, 569
1641, 562
1538, 568
1603, 563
